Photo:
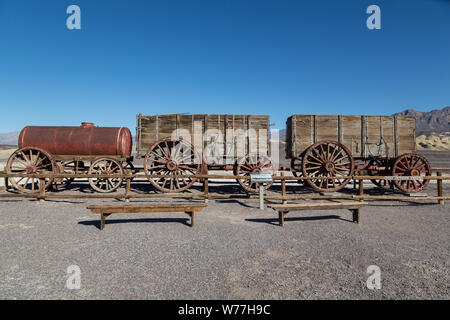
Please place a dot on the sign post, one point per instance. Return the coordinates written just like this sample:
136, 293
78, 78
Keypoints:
261, 178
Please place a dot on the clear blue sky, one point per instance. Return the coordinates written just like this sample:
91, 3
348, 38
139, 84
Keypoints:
275, 57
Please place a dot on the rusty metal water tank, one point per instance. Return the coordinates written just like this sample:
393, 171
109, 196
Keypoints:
86, 140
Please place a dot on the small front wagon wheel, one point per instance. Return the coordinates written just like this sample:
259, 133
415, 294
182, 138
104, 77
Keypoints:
105, 166
296, 168
253, 163
413, 167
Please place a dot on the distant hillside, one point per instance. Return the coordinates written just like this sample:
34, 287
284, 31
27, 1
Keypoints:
435, 121
9, 138
439, 142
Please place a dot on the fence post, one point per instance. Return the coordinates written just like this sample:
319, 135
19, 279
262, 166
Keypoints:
261, 196
6, 183
440, 188
205, 189
361, 189
283, 187
41, 189
127, 190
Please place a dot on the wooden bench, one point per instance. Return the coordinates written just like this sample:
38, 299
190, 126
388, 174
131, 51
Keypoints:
105, 211
285, 208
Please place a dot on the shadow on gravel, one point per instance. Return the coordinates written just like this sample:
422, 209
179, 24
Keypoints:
235, 201
96, 223
274, 221
403, 203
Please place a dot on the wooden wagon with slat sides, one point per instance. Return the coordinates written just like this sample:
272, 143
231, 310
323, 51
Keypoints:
322, 146
186, 144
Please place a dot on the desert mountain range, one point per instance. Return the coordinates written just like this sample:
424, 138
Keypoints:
435, 121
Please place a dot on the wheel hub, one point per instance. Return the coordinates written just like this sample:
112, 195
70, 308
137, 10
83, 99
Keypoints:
414, 172
31, 169
329, 166
171, 165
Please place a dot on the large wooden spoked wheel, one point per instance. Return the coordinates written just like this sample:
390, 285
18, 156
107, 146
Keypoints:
253, 163
105, 166
414, 166
172, 157
66, 167
296, 168
379, 167
326, 159
30, 160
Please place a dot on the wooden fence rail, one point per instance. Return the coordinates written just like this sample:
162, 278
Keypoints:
42, 194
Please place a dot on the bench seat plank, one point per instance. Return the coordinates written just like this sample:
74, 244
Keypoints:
282, 209
317, 206
146, 208
106, 210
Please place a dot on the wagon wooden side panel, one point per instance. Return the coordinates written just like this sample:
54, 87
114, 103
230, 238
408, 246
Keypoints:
351, 127
226, 136
364, 136
405, 135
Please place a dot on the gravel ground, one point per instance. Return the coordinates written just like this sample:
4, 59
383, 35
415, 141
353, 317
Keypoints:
235, 251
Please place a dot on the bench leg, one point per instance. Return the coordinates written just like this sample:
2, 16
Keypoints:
355, 215
103, 216
191, 214
281, 218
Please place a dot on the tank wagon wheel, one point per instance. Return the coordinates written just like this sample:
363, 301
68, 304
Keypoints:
31, 160
296, 168
66, 167
327, 159
411, 165
376, 164
172, 157
253, 163
105, 166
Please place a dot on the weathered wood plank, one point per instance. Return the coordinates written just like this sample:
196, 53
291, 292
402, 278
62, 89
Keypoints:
146, 208
207, 132
317, 206
379, 136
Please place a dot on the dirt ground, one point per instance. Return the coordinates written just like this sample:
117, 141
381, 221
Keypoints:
235, 251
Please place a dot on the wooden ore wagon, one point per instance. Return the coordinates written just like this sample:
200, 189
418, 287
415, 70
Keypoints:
323, 146
189, 144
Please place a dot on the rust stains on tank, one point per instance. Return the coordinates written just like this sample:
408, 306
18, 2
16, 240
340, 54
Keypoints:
86, 140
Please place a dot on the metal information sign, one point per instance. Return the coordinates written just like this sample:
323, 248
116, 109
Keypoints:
261, 178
